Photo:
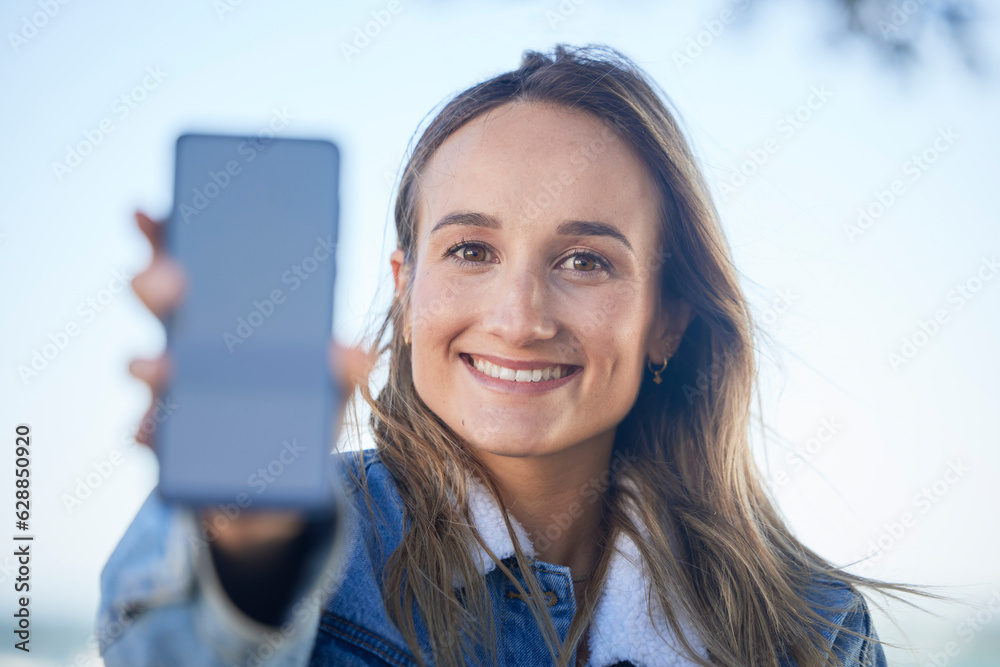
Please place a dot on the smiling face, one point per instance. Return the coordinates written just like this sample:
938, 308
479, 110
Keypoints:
537, 251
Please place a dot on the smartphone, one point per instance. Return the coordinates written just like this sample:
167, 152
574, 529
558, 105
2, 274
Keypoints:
254, 225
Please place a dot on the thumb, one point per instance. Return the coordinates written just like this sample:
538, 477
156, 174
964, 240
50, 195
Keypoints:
350, 365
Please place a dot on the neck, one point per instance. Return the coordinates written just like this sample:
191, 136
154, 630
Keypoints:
558, 499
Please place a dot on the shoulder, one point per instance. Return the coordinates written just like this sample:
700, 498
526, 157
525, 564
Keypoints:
354, 621
852, 637
377, 509
357, 461
366, 477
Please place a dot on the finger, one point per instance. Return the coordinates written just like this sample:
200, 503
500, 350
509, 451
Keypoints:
154, 372
152, 230
252, 529
161, 286
350, 365
146, 434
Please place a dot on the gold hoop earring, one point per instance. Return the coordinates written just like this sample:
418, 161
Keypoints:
656, 373
406, 335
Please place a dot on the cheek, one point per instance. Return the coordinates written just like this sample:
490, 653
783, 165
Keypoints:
436, 307
614, 330
438, 313
616, 320
606, 312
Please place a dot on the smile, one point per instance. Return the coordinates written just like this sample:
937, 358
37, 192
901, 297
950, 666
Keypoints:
498, 376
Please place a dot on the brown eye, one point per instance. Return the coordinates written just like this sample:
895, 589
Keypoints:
472, 253
584, 263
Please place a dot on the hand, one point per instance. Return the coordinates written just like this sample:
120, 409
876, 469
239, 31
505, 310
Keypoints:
161, 288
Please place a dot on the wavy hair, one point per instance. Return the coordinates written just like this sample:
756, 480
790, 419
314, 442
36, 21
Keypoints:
716, 551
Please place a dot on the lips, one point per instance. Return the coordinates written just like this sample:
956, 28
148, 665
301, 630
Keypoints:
537, 371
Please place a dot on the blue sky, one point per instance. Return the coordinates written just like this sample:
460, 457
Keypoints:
797, 138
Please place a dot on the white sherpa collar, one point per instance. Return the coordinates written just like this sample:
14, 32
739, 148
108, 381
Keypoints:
622, 628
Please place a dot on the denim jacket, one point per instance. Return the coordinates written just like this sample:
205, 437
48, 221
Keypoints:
161, 603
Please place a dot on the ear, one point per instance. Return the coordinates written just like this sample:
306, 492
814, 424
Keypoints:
668, 329
398, 276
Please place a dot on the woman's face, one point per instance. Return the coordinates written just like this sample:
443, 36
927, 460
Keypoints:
538, 250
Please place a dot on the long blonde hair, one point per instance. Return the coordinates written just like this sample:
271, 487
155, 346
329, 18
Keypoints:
717, 553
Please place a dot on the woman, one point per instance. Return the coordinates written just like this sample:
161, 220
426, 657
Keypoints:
568, 341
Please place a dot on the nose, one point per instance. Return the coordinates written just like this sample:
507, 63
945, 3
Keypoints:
519, 310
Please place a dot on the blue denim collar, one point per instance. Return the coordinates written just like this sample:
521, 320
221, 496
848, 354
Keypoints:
622, 629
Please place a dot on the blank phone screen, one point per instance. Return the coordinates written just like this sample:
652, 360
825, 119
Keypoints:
254, 226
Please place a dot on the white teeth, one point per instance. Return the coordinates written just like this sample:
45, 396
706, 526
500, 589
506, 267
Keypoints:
537, 375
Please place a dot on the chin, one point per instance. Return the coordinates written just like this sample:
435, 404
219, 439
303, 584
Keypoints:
511, 444
512, 452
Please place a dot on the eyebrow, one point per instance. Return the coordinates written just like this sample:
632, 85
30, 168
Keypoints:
569, 228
